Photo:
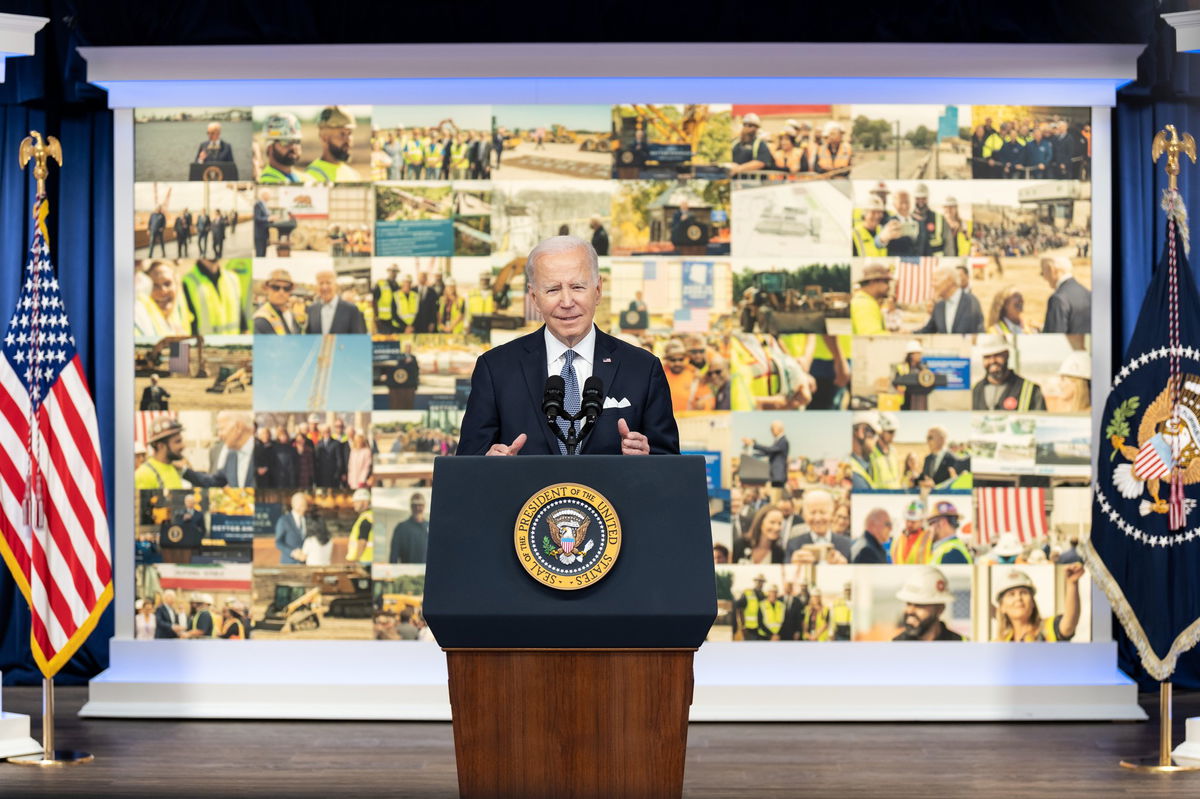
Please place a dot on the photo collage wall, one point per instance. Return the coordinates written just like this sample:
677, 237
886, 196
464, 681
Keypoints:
874, 321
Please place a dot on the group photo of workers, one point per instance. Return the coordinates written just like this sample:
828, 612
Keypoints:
1031, 142
195, 525
296, 377
192, 602
312, 145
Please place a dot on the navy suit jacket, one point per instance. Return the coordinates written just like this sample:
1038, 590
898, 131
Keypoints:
346, 319
287, 537
509, 381
967, 319
1069, 309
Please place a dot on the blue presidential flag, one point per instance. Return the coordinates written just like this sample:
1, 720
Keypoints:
1145, 543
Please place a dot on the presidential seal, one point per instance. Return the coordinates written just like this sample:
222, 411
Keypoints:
175, 534
567, 536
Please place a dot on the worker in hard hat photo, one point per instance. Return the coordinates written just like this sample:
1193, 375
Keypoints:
1015, 605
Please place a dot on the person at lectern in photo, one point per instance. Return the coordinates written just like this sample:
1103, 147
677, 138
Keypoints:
1017, 616
925, 598
504, 414
777, 457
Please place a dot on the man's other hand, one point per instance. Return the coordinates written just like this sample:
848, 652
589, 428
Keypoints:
510, 449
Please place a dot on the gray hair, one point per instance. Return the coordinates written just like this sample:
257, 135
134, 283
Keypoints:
557, 244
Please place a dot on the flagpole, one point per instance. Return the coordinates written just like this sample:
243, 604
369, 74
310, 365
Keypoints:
33, 148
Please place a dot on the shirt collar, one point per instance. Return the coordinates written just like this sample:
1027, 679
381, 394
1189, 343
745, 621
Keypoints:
956, 296
585, 349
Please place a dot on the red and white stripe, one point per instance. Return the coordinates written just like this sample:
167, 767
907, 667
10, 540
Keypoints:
1016, 510
1149, 465
64, 566
914, 281
143, 420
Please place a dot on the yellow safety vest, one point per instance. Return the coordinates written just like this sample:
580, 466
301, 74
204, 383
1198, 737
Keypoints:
918, 553
864, 242
842, 614
239, 635
272, 175
216, 313
383, 310
866, 317
433, 155
414, 153
214, 632
945, 547
883, 473
992, 145
323, 171
772, 616
827, 161
457, 312
407, 303
857, 468
1046, 630
458, 156
180, 323
267, 311
750, 613
480, 303
822, 619
155, 476
368, 553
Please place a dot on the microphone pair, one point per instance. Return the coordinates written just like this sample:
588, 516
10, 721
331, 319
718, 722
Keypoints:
554, 397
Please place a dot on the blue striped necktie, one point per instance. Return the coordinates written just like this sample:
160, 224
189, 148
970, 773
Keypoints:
571, 400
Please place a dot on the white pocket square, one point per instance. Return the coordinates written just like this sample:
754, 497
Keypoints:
609, 402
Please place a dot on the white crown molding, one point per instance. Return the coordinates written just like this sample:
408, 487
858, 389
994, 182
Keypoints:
1187, 29
612, 60
17, 33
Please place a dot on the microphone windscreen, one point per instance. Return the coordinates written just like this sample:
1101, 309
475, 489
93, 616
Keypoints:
592, 401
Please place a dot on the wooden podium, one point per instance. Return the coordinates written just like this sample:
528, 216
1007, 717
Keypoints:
558, 723
570, 694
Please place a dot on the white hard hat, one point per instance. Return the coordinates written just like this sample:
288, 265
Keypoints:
951, 201
874, 203
773, 587
833, 125
913, 346
1012, 579
451, 282
1077, 364
990, 345
887, 422
362, 495
915, 511
791, 123
927, 587
1036, 556
751, 119
921, 191
871, 420
1008, 545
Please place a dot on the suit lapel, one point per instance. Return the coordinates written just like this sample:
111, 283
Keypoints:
604, 366
534, 367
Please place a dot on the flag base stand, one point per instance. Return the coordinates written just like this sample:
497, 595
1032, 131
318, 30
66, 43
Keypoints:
1164, 763
51, 756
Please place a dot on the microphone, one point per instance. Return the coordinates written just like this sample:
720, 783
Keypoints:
552, 398
592, 401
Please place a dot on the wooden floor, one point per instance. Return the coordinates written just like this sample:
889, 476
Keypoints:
755, 761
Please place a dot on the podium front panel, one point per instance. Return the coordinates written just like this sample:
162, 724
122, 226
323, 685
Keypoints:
661, 591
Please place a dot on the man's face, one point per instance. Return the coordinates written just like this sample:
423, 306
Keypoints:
676, 360
941, 527
338, 141
697, 353
406, 283
877, 288
418, 508
922, 204
300, 504
749, 131
880, 527
903, 203
919, 619
283, 153
163, 287
834, 136
758, 584
189, 502
175, 448
1048, 274
214, 132
339, 427
935, 440
229, 430
566, 293
951, 212
913, 527
996, 365
326, 286
818, 512
872, 219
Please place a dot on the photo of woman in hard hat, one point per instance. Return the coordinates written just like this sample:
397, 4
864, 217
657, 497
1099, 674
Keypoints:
1014, 602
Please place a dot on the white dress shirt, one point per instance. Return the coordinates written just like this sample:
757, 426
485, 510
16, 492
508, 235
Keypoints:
245, 460
585, 352
952, 309
327, 311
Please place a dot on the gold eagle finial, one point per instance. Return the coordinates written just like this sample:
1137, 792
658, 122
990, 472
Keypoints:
34, 148
1172, 147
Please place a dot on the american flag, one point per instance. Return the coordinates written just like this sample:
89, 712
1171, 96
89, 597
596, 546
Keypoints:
914, 281
53, 528
1010, 510
1154, 459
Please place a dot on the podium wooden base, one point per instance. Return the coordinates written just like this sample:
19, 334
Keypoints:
570, 723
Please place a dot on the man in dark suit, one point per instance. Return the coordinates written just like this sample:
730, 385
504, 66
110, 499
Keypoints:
504, 416
427, 305
940, 467
330, 314
817, 508
869, 548
330, 460
290, 530
1069, 309
957, 310
777, 455
262, 224
167, 623
213, 148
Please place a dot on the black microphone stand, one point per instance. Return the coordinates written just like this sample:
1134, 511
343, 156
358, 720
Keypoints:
572, 440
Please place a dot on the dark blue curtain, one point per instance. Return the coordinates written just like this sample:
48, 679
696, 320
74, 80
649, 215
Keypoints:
44, 93
1167, 92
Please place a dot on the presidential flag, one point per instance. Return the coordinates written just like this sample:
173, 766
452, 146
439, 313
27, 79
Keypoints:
53, 527
1144, 549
